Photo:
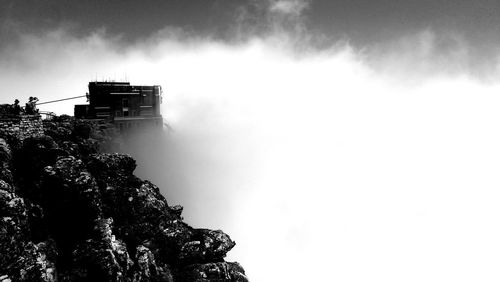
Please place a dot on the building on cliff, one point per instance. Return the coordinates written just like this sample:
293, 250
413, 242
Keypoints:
127, 106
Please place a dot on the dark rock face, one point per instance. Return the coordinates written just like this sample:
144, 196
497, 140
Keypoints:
70, 212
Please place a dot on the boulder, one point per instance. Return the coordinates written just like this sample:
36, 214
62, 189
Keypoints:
214, 272
103, 257
205, 246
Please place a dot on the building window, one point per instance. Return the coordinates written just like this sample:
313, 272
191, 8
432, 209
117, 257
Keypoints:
125, 107
146, 99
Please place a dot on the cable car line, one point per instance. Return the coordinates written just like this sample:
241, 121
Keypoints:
48, 102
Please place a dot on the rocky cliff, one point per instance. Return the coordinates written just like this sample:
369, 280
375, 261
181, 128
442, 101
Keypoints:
71, 210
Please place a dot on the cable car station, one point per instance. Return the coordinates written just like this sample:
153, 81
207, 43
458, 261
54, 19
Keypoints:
127, 106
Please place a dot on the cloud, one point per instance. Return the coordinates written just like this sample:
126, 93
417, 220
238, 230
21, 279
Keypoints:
320, 163
288, 7
272, 17
415, 55
425, 51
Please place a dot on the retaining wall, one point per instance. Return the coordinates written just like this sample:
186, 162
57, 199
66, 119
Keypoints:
23, 126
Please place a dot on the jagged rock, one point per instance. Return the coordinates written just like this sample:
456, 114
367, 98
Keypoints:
88, 147
11, 244
102, 258
173, 235
70, 196
146, 264
177, 210
5, 186
11, 205
37, 222
21, 259
111, 165
208, 245
147, 268
5, 158
214, 272
6, 175
69, 178
46, 256
29, 161
5, 152
58, 132
70, 212
71, 148
13, 228
82, 129
34, 264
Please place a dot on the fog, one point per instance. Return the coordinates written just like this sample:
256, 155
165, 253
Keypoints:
323, 164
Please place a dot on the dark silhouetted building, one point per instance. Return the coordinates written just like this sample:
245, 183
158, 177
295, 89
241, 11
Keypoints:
127, 106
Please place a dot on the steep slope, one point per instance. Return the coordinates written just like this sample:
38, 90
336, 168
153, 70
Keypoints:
70, 210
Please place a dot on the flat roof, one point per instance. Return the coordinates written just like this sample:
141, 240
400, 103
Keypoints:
104, 83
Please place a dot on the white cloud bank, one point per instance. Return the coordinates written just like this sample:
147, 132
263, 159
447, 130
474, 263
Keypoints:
321, 168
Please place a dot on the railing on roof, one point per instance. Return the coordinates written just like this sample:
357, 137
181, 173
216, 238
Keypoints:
47, 115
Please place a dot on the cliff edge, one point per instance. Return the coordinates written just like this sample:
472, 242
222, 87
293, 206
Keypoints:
71, 210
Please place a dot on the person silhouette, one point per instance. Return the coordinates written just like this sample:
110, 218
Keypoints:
31, 106
16, 109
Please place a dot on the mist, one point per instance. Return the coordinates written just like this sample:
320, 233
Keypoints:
323, 164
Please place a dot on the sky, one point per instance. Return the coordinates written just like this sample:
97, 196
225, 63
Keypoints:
332, 140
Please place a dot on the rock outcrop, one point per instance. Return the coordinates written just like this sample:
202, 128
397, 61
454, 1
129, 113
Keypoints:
71, 210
